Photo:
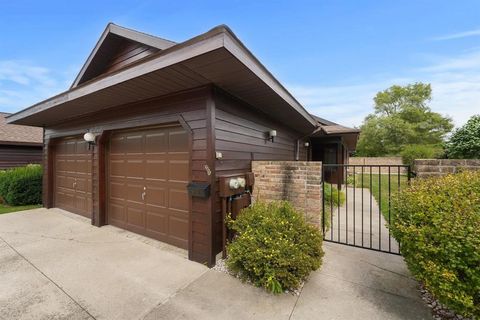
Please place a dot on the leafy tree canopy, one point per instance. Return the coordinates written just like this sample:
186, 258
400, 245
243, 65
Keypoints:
402, 117
465, 141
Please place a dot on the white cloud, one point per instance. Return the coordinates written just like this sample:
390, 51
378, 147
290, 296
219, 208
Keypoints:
459, 35
22, 83
455, 85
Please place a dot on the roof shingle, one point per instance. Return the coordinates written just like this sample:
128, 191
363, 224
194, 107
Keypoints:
18, 134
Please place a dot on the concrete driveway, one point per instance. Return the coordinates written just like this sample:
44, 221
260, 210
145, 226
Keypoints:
55, 265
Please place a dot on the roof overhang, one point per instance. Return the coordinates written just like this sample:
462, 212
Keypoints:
216, 56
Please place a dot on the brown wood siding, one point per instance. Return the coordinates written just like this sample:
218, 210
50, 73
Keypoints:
17, 156
188, 108
240, 135
128, 53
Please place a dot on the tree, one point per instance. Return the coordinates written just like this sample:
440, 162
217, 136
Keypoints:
465, 141
401, 118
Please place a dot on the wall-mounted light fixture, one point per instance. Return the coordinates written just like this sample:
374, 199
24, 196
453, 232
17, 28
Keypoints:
89, 138
307, 144
272, 134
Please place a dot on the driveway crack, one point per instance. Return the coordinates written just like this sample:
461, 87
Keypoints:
47, 277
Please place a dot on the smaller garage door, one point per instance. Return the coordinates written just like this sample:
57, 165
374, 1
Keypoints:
73, 176
147, 178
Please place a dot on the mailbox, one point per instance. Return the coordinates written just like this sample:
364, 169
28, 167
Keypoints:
199, 189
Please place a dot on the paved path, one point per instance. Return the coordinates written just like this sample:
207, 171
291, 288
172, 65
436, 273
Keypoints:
353, 283
361, 223
55, 265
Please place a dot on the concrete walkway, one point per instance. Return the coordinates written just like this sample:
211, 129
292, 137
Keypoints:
54, 265
352, 284
360, 222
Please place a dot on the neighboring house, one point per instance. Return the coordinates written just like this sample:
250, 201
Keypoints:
19, 145
161, 112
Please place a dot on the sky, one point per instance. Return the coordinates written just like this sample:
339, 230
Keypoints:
333, 56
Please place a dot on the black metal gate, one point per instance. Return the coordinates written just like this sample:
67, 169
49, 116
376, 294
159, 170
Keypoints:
357, 208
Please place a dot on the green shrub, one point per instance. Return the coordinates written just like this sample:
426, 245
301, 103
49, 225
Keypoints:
420, 151
22, 185
465, 141
274, 247
333, 195
437, 222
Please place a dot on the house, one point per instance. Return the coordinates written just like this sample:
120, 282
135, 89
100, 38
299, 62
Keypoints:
163, 114
332, 144
19, 145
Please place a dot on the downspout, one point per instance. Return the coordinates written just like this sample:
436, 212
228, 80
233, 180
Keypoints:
297, 145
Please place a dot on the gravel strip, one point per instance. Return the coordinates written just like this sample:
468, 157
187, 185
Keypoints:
221, 266
439, 311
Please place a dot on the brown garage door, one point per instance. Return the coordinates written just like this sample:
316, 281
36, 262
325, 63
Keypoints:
72, 176
148, 171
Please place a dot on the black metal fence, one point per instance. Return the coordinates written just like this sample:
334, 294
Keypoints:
357, 204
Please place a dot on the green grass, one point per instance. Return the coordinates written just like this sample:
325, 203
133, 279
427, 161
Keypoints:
379, 187
7, 209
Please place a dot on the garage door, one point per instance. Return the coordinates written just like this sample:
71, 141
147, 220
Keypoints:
148, 171
72, 176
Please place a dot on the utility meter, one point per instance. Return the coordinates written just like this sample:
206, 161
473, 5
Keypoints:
241, 182
234, 184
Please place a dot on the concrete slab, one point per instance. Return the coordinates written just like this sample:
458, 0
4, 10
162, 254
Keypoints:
110, 274
360, 284
217, 295
360, 222
26, 294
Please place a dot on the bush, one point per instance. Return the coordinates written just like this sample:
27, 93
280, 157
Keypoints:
465, 141
22, 185
274, 247
437, 222
420, 151
333, 195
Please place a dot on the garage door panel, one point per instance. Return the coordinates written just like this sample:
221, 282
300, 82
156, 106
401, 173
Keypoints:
134, 144
178, 140
135, 217
82, 166
117, 168
156, 196
117, 145
156, 170
178, 199
134, 193
134, 169
63, 181
116, 212
83, 185
65, 199
156, 143
178, 170
157, 221
116, 190
178, 227
157, 159
72, 171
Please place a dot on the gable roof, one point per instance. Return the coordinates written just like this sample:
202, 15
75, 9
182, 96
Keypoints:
111, 42
329, 127
17, 134
215, 57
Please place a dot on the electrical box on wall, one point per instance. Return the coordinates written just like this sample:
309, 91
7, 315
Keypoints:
235, 184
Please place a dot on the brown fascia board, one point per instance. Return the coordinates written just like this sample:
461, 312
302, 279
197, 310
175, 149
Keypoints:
133, 35
20, 143
218, 37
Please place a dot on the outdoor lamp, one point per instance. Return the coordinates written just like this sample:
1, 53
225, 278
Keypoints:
89, 138
272, 134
